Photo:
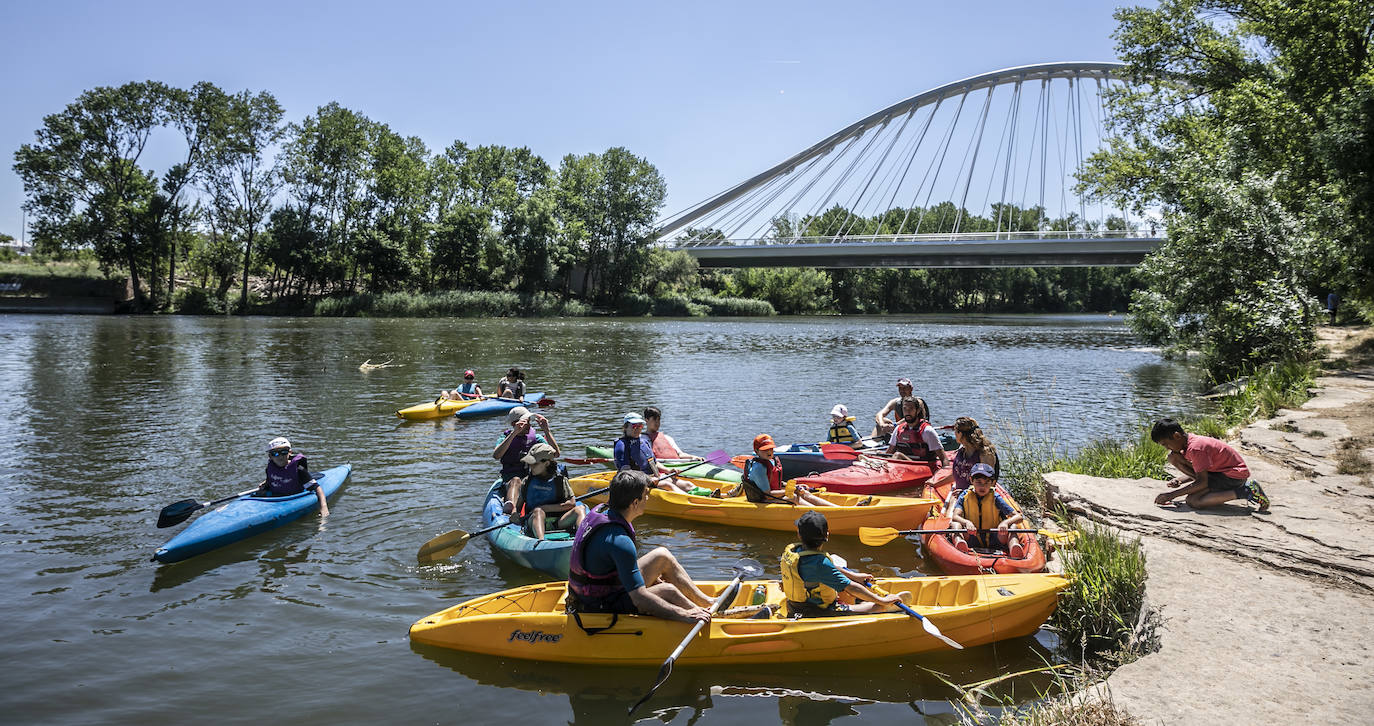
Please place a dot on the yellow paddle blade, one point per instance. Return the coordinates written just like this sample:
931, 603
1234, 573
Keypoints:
443, 547
878, 536
1061, 538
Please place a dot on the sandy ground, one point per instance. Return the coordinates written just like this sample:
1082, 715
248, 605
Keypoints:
1266, 619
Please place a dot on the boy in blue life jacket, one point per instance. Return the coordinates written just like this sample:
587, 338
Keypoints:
545, 498
812, 582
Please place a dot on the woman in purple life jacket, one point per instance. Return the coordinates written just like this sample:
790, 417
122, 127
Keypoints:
288, 474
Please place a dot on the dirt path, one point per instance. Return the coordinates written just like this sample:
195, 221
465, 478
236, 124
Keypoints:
1267, 619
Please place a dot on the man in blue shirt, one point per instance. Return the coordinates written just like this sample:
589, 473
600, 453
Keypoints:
606, 575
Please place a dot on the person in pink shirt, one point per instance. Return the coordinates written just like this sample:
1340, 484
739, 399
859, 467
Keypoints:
664, 445
1213, 472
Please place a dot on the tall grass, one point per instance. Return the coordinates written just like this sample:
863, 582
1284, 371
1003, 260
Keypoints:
450, 303
1268, 389
734, 306
1098, 612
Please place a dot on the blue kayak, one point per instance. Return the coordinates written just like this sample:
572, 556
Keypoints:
549, 555
246, 516
495, 406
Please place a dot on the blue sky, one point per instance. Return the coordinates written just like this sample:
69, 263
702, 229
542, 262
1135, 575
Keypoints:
709, 92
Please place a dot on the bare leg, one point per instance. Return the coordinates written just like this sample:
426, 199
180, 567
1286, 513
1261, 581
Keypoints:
512, 491
1204, 500
659, 564
324, 505
572, 518
537, 522
811, 500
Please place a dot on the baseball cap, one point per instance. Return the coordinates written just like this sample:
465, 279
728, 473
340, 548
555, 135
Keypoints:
763, 441
981, 469
633, 418
469, 373
812, 526
540, 452
278, 443
839, 410
904, 381
516, 414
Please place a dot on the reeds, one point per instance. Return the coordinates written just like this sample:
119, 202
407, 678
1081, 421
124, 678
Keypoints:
1100, 613
1268, 389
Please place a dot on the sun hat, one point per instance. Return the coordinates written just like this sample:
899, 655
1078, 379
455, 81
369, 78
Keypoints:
516, 414
763, 441
981, 469
633, 419
839, 410
278, 443
540, 452
813, 527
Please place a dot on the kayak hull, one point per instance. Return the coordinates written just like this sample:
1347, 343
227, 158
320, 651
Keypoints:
549, 556
699, 470
899, 512
530, 623
497, 406
952, 561
247, 516
430, 411
871, 476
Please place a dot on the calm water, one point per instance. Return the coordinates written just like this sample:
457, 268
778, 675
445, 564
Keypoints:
107, 419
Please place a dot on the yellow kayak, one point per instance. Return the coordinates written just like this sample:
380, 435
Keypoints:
899, 512
434, 409
530, 623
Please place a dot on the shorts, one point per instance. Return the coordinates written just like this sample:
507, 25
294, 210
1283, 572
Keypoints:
1219, 483
812, 610
618, 603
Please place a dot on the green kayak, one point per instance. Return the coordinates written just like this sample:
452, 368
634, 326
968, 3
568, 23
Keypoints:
727, 474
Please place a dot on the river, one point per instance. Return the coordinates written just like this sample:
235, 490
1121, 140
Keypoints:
107, 419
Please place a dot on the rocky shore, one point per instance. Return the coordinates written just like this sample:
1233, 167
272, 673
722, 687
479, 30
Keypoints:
1261, 618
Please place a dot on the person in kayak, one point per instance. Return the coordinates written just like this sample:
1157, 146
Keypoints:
513, 385
842, 429
981, 508
812, 582
606, 575
974, 448
515, 443
465, 390
663, 445
288, 474
1213, 472
914, 438
545, 500
761, 481
633, 451
883, 427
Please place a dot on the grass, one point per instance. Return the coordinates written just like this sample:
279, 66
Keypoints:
1099, 614
451, 303
1068, 711
1350, 456
1268, 389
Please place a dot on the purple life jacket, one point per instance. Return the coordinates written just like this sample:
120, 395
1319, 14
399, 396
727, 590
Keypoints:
283, 481
583, 585
511, 464
962, 467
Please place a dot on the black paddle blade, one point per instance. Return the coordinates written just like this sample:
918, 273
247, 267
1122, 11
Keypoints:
177, 512
663, 674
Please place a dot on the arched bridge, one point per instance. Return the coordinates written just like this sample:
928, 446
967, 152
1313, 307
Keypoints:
975, 173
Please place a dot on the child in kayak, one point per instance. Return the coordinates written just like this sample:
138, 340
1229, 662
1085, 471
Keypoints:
842, 429
545, 499
980, 508
466, 390
515, 443
761, 482
1213, 472
812, 582
513, 385
288, 474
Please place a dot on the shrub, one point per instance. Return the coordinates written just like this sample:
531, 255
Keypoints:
734, 306
1267, 389
634, 303
197, 301
1098, 612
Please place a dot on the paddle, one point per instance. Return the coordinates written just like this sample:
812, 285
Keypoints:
879, 536
741, 568
177, 512
452, 542
925, 622
544, 402
718, 457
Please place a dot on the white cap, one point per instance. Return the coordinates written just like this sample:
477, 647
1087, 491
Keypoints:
839, 410
516, 414
632, 419
278, 443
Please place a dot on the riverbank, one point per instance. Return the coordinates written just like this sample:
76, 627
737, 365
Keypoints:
1263, 615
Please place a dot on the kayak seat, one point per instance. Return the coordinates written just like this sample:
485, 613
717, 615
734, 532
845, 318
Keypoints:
556, 536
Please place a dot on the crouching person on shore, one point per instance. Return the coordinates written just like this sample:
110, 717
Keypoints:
1213, 471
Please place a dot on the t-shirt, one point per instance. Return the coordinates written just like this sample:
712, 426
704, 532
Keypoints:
819, 568
664, 447
637, 457
611, 549
1213, 456
516, 389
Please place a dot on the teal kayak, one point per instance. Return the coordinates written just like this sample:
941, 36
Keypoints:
246, 516
729, 475
548, 555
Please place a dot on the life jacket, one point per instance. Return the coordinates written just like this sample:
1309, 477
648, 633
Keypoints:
467, 389
633, 451
843, 433
558, 484
982, 513
662, 449
581, 583
756, 492
283, 481
910, 440
511, 463
797, 590
962, 466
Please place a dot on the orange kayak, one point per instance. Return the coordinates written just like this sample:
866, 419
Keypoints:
952, 561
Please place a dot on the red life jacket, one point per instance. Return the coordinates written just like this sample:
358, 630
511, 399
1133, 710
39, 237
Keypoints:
755, 491
910, 440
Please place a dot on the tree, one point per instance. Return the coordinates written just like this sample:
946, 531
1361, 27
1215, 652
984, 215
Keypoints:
629, 196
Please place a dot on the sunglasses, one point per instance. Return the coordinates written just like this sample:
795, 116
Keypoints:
279, 452
467, 378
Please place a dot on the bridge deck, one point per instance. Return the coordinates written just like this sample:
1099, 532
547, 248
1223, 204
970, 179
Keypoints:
1046, 252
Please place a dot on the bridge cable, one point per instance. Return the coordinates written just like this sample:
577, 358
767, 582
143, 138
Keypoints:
915, 149
1007, 171
973, 163
849, 171
844, 226
944, 150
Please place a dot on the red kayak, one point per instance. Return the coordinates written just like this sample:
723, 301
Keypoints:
871, 476
940, 547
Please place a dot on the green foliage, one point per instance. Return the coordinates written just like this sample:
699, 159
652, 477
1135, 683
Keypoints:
1268, 389
1099, 610
198, 301
450, 303
733, 306
790, 290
